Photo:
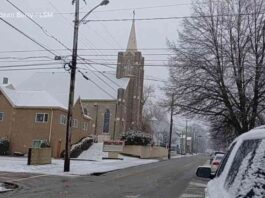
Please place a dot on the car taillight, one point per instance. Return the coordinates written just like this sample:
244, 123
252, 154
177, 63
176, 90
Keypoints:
216, 163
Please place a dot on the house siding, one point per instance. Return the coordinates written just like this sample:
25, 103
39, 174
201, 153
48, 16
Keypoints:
20, 128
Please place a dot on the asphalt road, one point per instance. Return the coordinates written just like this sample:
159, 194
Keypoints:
165, 179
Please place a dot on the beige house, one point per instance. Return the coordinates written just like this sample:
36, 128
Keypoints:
35, 115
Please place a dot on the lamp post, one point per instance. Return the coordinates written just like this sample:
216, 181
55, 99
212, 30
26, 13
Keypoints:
72, 80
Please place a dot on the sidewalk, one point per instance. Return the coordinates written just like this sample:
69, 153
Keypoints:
19, 164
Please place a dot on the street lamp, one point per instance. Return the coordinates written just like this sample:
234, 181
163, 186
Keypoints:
103, 3
72, 81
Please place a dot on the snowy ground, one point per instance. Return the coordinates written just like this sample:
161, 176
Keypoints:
81, 166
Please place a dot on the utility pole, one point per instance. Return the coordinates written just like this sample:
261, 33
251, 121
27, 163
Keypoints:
171, 124
72, 91
73, 64
186, 137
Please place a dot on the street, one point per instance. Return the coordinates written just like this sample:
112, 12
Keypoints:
165, 179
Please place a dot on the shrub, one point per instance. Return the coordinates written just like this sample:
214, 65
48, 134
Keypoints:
76, 149
136, 138
4, 147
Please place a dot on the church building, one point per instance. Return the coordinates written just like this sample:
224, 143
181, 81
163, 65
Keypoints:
114, 117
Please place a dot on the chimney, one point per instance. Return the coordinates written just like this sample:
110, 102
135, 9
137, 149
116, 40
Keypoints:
5, 80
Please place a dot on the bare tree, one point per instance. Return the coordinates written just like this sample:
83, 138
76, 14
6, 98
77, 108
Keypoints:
147, 102
218, 68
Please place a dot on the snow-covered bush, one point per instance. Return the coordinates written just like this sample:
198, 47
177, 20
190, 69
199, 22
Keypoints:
136, 138
83, 145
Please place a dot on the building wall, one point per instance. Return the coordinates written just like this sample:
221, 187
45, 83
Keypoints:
96, 110
6, 124
20, 128
131, 65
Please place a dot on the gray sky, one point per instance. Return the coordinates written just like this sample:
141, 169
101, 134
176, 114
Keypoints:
57, 18
93, 35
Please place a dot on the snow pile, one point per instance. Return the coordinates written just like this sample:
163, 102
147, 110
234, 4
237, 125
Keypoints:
94, 153
3, 188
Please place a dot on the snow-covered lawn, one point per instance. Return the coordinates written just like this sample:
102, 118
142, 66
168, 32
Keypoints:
15, 164
80, 166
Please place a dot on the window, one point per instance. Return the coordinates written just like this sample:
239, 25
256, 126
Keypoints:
85, 126
221, 168
246, 177
106, 121
41, 117
63, 120
2, 116
75, 123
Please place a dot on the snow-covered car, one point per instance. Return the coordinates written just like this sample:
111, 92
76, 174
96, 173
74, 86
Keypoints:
242, 171
216, 162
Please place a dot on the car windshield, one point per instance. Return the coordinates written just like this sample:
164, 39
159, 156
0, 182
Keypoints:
246, 177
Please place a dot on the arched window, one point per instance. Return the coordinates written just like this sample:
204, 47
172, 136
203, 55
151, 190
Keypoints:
106, 121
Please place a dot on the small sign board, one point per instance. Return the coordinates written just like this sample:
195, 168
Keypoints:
113, 146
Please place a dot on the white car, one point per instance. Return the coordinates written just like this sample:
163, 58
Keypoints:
216, 162
242, 171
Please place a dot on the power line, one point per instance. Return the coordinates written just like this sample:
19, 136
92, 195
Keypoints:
31, 69
23, 61
28, 65
33, 40
36, 23
135, 8
146, 54
93, 66
57, 40
85, 77
114, 64
145, 79
25, 58
88, 49
169, 18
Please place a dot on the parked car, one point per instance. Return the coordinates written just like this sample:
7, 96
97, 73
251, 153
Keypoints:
212, 156
216, 162
242, 171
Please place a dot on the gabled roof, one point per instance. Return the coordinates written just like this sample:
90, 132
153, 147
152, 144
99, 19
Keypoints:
57, 85
33, 99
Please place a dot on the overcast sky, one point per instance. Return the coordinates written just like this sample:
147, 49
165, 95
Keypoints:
58, 17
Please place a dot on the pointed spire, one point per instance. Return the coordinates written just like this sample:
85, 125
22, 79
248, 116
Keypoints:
132, 43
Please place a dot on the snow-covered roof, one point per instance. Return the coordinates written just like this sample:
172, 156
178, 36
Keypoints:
103, 87
40, 99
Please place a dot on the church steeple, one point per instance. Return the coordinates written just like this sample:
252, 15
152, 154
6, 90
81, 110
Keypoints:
131, 65
132, 43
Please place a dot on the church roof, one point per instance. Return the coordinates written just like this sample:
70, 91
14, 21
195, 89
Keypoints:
57, 85
132, 43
